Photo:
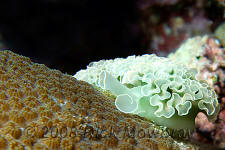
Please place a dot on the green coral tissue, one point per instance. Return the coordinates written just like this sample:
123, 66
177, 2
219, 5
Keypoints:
155, 88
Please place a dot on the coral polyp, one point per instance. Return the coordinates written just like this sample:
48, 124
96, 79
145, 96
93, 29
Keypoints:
155, 88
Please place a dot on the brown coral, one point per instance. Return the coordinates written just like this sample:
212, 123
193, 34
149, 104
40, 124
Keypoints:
15, 145
46, 109
11, 129
3, 143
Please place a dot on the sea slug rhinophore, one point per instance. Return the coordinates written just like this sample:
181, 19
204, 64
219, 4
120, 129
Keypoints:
155, 88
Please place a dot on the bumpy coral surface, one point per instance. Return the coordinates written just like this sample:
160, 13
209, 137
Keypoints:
155, 88
46, 109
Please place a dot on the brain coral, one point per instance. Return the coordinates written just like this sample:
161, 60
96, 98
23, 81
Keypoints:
155, 88
45, 109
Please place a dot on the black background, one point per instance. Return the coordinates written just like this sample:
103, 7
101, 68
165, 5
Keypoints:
69, 34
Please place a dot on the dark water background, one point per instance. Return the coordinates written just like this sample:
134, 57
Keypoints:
69, 34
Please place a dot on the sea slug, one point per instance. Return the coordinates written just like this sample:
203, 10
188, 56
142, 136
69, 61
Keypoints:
155, 88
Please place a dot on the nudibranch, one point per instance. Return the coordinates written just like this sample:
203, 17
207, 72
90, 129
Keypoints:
156, 88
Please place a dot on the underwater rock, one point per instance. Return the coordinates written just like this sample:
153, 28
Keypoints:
202, 122
167, 23
207, 55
